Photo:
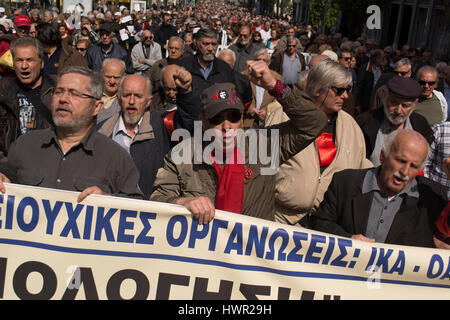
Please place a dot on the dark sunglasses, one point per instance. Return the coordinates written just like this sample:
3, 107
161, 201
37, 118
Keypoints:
347, 59
430, 83
340, 91
147, 38
230, 115
291, 45
402, 73
81, 49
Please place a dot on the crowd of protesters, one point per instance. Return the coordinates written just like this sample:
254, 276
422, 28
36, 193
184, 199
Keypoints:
358, 122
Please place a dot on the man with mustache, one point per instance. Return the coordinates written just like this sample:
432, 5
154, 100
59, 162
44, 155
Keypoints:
25, 99
72, 155
397, 113
390, 203
112, 72
208, 70
244, 49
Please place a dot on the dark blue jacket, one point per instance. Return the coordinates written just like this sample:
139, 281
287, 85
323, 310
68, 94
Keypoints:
95, 56
152, 142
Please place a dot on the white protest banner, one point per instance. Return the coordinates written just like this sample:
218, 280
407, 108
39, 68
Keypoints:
52, 247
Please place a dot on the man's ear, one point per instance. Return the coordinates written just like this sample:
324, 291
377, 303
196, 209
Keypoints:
381, 156
98, 106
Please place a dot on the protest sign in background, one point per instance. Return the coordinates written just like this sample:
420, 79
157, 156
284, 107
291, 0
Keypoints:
52, 247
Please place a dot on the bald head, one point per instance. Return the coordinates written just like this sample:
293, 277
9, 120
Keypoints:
403, 155
228, 56
316, 59
169, 86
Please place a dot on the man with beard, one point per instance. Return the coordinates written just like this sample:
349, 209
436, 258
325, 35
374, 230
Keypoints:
140, 130
72, 155
205, 68
245, 49
397, 113
25, 99
390, 203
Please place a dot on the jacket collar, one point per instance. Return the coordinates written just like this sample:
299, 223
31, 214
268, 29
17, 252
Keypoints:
145, 129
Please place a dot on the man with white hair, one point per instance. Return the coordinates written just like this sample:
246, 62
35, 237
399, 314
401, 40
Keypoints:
388, 204
141, 131
397, 113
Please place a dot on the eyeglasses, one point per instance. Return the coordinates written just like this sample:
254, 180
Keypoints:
430, 83
244, 35
347, 58
291, 45
401, 73
232, 116
340, 91
57, 92
81, 49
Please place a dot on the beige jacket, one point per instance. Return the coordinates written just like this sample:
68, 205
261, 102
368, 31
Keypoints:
299, 185
177, 179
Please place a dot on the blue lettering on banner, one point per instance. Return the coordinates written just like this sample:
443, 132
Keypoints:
298, 237
182, 221
24, 203
216, 225
126, 225
254, 241
142, 237
235, 241
279, 233
88, 222
436, 268
103, 222
196, 233
313, 248
71, 224
51, 214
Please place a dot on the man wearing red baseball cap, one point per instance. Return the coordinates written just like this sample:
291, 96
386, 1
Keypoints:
22, 25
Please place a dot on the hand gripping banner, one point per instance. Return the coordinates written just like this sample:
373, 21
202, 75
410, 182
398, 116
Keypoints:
52, 247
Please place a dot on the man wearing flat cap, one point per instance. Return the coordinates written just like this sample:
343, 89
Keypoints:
106, 48
217, 169
396, 113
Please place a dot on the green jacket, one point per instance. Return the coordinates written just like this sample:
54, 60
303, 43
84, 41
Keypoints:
176, 179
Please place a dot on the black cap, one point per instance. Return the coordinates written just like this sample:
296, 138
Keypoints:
406, 88
218, 98
107, 26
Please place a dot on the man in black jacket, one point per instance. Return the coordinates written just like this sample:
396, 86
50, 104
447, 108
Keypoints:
208, 70
397, 113
165, 32
24, 100
387, 204
107, 49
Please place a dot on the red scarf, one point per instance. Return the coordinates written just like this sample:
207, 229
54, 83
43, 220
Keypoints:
327, 149
230, 194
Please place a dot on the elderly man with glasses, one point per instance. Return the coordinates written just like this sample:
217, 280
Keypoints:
72, 155
145, 53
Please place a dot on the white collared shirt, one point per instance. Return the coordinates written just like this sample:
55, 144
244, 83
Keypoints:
121, 136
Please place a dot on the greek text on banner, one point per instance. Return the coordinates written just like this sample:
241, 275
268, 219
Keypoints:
52, 247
